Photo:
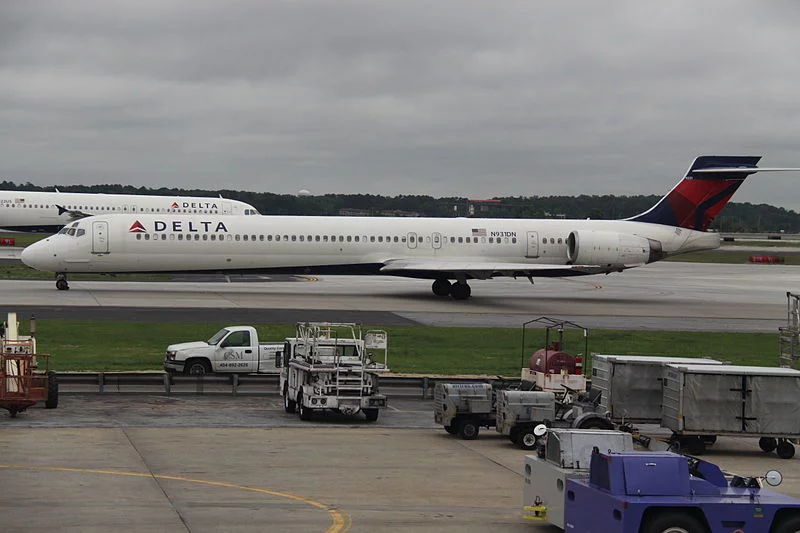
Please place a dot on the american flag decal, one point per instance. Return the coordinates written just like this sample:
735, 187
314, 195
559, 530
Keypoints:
479, 232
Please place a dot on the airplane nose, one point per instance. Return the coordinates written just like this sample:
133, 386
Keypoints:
39, 255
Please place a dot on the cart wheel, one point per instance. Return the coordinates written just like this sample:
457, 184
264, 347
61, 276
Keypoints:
785, 449
693, 445
52, 391
527, 439
710, 440
672, 521
451, 430
468, 430
767, 444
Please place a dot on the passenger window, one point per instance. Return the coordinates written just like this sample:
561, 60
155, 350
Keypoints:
349, 238
513, 240
147, 236
180, 236
372, 238
261, 238
396, 239
213, 237
380, 238
461, 239
302, 238
205, 236
308, 238
316, 238
559, 240
294, 238
138, 236
324, 238
245, 237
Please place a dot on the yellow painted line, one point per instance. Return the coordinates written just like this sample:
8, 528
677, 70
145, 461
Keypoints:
306, 277
341, 520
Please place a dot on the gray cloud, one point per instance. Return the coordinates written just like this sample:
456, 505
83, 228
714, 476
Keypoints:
452, 97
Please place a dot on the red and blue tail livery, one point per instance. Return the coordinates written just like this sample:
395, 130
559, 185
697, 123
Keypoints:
708, 185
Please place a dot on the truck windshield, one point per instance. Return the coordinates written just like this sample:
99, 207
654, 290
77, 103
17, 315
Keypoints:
214, 340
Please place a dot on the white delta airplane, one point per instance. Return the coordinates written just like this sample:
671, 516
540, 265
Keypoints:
450, 251
50, 211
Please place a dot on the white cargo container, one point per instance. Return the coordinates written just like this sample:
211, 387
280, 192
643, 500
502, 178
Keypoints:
734, 400
630, 385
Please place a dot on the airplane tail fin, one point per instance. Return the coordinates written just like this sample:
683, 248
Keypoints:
702, 193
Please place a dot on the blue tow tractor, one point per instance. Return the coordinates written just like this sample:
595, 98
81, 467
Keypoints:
658, 492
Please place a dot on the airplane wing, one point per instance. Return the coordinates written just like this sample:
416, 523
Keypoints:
487, 269
73, 214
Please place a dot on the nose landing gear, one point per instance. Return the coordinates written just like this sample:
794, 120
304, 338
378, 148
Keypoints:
61, 282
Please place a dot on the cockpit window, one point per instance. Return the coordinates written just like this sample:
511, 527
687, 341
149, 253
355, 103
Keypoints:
71, 232
80, 233
62, 231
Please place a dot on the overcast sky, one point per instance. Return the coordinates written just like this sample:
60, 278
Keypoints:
439, 97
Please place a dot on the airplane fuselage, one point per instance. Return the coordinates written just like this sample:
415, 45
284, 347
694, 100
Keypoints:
166, 243
49, 211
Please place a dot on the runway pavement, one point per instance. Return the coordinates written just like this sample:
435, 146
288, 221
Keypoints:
667, 295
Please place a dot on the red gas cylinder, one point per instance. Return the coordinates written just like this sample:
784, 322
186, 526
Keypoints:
552, 361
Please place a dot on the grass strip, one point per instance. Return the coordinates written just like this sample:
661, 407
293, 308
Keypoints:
120, 346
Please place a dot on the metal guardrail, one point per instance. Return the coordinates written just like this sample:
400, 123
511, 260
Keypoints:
147, 382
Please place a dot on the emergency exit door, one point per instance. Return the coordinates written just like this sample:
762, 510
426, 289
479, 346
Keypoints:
100, 237
533, 245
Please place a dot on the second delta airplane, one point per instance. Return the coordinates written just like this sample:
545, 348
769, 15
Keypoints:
450, 251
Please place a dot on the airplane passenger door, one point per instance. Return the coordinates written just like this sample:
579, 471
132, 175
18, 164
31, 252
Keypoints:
533, 245
412, 240
100, 237
226, 208
436, 240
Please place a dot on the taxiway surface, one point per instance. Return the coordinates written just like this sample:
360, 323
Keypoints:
666, 295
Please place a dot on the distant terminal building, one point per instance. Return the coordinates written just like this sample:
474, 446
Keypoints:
481, 205
347, 212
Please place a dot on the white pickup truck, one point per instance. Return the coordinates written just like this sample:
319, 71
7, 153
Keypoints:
233, 349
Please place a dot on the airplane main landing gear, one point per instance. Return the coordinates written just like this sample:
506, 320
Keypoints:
460, 291
441, 287
61, 282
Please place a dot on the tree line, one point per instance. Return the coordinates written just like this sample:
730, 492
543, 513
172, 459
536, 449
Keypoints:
736, 217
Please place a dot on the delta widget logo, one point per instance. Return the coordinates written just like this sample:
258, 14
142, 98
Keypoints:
175, 205
137, 227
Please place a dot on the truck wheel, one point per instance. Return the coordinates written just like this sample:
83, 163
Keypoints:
288, 405
451, 430
52, 391
371, 414
302, 410
767, 444
710, 440
197, 367
785, 449
673, 522
527, 440
790, 524
468, 430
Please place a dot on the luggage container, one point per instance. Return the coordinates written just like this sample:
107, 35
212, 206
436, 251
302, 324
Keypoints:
630, 385
711, 400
